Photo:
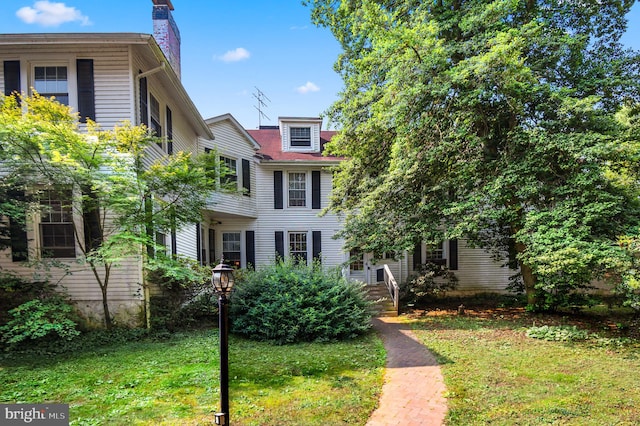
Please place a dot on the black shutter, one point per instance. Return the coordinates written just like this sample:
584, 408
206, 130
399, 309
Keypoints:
86, 90
212, 247
19, 248
417, 256
316, 237
277, 190
250, 240
18, 232
144, 105
246, 176
11, 77
280, 244
174, 242
315, 189
169, 132
453, 255
198, 244
91, 219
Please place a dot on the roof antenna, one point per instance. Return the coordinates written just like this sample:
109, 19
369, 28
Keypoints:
260, 96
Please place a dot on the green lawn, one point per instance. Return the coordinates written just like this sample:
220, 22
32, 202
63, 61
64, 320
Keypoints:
497, 375
494, 374
175, 381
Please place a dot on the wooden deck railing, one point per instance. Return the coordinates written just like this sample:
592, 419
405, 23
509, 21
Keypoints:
392, 286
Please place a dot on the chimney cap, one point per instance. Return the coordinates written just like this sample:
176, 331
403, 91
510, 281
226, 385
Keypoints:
163, 3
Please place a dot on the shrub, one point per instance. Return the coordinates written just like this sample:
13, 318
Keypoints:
429, 282
40, 320
15, 290
187, 296
290, 302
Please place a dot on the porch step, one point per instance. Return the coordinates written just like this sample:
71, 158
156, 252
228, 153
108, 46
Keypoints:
383, 306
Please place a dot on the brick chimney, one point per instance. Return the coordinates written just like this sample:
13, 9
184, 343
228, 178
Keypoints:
166, 33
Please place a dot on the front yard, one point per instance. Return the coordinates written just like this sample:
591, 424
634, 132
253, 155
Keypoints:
502, 366
175, 381
496, 374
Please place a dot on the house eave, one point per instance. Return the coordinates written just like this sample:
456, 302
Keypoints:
143, 41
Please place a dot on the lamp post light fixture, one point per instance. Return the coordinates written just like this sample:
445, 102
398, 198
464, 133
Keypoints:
222, 280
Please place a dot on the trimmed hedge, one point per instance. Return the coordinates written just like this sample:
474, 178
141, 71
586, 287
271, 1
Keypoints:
291, 302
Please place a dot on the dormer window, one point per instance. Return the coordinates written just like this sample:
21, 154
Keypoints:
300, 136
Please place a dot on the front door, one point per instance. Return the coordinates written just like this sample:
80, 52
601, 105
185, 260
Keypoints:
362, 268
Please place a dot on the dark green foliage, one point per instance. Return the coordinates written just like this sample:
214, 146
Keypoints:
187, 295
15, 290
429, 282
52, 318
291, 302
500, 122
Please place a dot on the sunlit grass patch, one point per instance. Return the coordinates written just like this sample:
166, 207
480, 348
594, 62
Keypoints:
176, 381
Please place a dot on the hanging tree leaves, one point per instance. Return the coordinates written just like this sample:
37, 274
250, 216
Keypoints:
489, 120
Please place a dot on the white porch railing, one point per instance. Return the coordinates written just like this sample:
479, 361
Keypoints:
392, 286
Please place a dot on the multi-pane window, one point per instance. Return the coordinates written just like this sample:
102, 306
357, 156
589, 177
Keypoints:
298, 246
231, 248
297, 189
232, 170
57, 238
52, 81
154, 111
435, 254
356, 260
300, 136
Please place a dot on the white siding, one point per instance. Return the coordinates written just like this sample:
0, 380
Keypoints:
298, 219
113, 86
477, 271
231, 143
186, 241
112, 76
116, 100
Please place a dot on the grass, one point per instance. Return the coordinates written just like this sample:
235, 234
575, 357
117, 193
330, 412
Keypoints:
497, 375
175, 381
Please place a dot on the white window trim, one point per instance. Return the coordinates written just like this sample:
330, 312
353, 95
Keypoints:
307, 189
34, 236
242, 247
27, 74
221, 158
308, 242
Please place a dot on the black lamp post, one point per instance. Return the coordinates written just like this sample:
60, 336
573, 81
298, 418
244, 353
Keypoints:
222, 280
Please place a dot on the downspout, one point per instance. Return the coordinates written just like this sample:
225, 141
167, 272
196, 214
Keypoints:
151, 71
145, 285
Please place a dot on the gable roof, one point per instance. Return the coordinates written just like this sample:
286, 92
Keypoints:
236, 125
271, 147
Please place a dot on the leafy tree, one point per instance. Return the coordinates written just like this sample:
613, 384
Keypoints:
490, 120
123, 198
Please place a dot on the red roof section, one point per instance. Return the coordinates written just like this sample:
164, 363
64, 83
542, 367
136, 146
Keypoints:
271, 146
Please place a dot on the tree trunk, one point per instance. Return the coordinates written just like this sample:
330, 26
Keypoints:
528, 277
105, 307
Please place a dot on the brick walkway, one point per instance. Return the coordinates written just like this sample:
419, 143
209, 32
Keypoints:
413, 392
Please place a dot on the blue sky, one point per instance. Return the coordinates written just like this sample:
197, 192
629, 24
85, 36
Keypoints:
228, 49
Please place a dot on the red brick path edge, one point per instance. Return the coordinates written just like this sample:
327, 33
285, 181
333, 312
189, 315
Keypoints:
413, 390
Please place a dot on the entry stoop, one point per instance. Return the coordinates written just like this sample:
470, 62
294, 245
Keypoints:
383, 306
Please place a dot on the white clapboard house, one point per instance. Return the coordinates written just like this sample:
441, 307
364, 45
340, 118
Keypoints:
283, 178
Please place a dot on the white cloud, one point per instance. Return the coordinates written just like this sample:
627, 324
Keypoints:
309, 87
298, 28
238, 54
49, 14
